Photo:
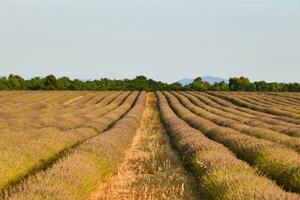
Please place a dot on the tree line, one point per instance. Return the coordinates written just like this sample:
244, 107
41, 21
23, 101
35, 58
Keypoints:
50, 82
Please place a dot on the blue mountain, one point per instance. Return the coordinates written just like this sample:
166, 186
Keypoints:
209, 79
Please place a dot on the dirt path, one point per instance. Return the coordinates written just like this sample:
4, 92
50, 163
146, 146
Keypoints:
73, 100
151, 169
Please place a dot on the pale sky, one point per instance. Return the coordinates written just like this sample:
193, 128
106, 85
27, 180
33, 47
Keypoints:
163, 39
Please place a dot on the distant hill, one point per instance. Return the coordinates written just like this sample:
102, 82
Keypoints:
209, 79
212, 79
185, 81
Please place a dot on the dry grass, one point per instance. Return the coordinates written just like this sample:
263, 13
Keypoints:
275, 100
236, 145
44, 112
276, 161
261, 116
151, 171
256, 100
289, 96
18, 160
221, 175
266, 100
73, 100
282, 115
244, 115
24, 135
76, 174
258, 132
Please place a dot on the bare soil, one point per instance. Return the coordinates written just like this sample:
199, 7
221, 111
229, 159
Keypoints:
151, 169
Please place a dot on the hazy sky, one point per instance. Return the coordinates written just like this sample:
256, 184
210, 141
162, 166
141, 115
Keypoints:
162, 39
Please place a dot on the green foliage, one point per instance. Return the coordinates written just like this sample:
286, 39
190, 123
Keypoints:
222, 86
239, 84
50, 82
199, 85
36, 83
15, 82
3, 83
63, 83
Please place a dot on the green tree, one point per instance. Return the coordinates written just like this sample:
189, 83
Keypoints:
239, 84
36, 83
261, 86
221, 86
140, 83
199, 85
3, 83
63, 83
16, 82
50, 82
